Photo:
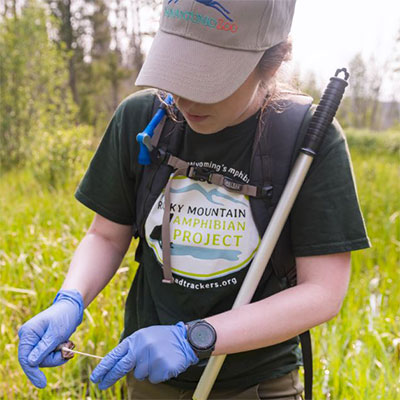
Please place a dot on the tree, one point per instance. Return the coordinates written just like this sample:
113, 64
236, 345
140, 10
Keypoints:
11, 8
34, 93
357, 90
102, 43
310, 86
393, 114
71, 17
397, 54
395, 78
121, 70
95, 85
145, 15
365, 91
114, 58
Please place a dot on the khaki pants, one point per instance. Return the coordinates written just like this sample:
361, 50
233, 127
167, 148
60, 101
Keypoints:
287, 387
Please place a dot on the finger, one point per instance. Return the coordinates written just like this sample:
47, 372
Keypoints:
46, 345
109, 361
141, 370
120, 369
28, 340
34, 374
54, 359
162, 370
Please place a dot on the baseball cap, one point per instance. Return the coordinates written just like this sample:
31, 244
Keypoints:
204, 50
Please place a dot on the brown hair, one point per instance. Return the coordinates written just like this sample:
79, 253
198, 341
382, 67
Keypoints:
170, 108
269, 64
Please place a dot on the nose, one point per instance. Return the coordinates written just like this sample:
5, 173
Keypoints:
181, 102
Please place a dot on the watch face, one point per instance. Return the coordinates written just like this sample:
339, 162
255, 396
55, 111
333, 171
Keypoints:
202, 336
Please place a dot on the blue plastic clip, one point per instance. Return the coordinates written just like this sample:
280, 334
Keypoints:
144, 138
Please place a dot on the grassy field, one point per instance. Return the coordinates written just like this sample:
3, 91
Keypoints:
356, 356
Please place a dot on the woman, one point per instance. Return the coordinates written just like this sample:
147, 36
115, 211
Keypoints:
219, 60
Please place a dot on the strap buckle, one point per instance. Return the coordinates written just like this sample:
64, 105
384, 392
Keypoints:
232, 185
160, 156
265, 192
201, 174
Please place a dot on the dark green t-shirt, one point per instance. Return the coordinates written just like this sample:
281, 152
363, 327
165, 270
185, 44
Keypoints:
213, 234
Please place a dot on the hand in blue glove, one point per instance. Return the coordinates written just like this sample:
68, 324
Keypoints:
39, 337
158, 352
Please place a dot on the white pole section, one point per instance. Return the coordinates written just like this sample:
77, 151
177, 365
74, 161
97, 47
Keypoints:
257, 267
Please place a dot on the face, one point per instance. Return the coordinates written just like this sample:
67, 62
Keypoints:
211, 118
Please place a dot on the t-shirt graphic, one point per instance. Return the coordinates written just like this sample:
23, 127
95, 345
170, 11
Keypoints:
212, 230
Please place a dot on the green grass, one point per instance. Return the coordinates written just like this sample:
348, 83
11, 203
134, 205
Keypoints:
356, 356
39, 231
378, 142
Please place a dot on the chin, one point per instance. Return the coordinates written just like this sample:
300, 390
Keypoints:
203, 129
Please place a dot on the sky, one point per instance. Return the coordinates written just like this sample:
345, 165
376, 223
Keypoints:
327, 34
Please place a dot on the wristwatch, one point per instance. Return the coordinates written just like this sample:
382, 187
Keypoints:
202, 337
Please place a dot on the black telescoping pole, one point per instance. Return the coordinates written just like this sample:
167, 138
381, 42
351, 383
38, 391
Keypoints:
317, 129
325, 113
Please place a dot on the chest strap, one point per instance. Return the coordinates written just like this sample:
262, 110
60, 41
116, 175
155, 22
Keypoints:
209, 175
183, 168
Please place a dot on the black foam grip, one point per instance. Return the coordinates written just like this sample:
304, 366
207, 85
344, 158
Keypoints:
324, 113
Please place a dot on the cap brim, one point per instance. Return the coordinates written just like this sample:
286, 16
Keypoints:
194, 70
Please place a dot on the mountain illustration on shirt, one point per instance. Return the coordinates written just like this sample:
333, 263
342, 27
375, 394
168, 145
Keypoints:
212, 231
195, 252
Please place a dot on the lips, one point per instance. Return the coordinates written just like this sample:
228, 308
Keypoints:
194, 117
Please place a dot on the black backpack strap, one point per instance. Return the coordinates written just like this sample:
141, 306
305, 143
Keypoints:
273, 153
155, 176
306, 350
273, 150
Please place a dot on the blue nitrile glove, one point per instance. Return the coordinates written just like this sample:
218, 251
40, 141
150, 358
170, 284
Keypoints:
158, 353
39, 337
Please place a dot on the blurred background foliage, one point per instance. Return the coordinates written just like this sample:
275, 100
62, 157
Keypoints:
65, 63
69, 63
